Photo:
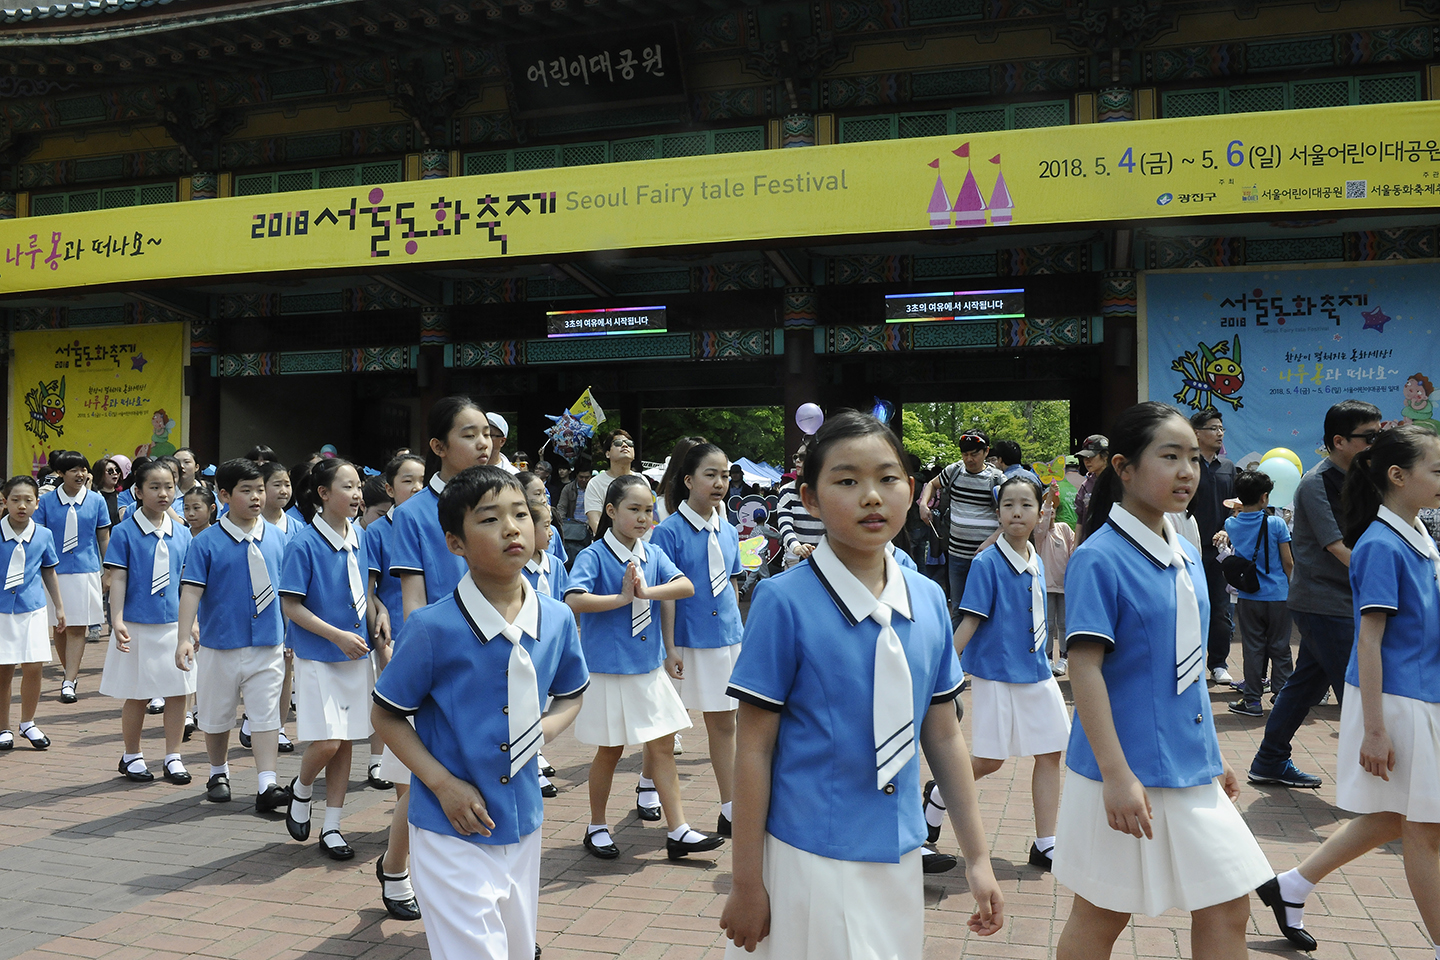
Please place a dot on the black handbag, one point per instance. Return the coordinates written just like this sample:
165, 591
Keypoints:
1242, 573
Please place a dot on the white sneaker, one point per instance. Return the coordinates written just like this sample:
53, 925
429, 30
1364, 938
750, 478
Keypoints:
678, 748
1221, 675
1059, 667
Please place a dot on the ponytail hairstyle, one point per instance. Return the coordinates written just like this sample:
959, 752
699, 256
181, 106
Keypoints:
1368, 479
438, 424
619, 488
672, 487
676, 493
1132, 433
299, 475
322, 474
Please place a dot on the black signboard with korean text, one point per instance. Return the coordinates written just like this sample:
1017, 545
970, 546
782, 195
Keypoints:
955, 305
611, 320
629, 67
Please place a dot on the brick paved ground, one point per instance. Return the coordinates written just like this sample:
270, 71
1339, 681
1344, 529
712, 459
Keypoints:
94, 866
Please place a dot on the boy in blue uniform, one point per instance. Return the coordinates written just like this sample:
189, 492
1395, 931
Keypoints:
230, 577
480, 661
1262, 616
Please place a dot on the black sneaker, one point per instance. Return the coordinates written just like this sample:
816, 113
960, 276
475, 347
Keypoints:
1288, 776
1246, 708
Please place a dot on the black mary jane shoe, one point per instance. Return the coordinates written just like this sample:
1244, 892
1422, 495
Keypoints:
548, 770
179, 777
399, 909
39, 741
190, 727
1041, 859
274, 797
143, 775
932, 862
372, 777
342, 852
548, 790
298, 829
217, 789
648, 814
723, 827
67, 692
1269, 893
932, 834
677, 849
286, 745
606, 851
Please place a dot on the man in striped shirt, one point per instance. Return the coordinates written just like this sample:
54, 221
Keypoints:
968, 487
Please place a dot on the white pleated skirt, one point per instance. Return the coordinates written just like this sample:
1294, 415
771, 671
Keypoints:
824, 909
390, 766
1201, 854
84, 606
1017, 719
148, 670
620, 709
1413, 790
24, 638
707, 675
332, 700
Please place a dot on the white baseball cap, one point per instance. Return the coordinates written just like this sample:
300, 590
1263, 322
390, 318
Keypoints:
498, 422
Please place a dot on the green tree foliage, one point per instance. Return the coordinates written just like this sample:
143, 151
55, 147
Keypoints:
754, 432
1041, 427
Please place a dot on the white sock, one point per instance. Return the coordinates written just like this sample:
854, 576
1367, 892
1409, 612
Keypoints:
26, 726
398, 889
332, 818
376, 758
647, 797
1045, 844
130, 758
601, 833
127, 757
1294, 889
245, 726
302, 791
725, 810
223, 769
172, 758
267, 780
683, 832
935, 809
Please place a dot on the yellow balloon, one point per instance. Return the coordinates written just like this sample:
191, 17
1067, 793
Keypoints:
1285, 454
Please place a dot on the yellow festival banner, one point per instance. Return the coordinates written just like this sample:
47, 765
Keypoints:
99, 390
1277, 165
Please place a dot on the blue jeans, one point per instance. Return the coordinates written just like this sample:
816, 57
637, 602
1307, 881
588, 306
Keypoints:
959, 571
1325, 644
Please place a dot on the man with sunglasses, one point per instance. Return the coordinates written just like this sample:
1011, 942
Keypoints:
1320, 600
1217, 484
967, 510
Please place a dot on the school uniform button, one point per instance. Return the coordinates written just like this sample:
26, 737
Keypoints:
1032, 649
1199, 718
505, 779
504, 748
889, 788
505, 709
714, 613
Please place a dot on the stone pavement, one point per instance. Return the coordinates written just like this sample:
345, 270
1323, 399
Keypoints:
94, 866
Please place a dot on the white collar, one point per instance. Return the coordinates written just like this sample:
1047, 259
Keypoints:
1017, 563
621, 554
257, 532
1161, 551
437, 486
23, 536
713, 524
390, 514
853, 597
539, 566
1415, 536
283, 524
148, 528
486, 621
337, 543
78, 499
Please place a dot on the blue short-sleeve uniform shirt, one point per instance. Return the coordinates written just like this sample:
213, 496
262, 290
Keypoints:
379, 542
609, 645
902, 558
316, 572
1244, 531
1003, 647
218, 560
1391, 571
419, 544
704, 620
809, 654
557, 578
450, 675
91, 516
39, 552
1120, 591
557, 544
132, 549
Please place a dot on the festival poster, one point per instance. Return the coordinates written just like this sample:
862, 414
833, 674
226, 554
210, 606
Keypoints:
1272, 350
98, 390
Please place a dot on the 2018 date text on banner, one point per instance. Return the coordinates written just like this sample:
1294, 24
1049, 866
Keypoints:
1278, 164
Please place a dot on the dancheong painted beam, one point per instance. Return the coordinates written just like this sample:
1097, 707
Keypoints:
1366, 158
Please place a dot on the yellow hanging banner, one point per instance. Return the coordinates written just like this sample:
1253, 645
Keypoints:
1280, 165
99, 390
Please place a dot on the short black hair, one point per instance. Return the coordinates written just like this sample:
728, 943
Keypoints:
845, 425
66, 460
269, 468
466, 489
231, 473
262, 453
20, 480
1346, 416
373, 492
1008, 451
145, 466
1199, 418
1251, 485
397, 463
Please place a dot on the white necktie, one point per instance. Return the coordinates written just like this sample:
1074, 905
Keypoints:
894, 709
15, 575
639, 611
541, 569
1038, 635
526, 737
260, 586
72, 531
160, 570
357, 584
715, 558
1189, 639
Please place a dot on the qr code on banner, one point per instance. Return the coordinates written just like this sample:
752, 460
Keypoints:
1355, 189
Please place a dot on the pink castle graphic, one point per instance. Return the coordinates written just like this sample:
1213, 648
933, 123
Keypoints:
969, 208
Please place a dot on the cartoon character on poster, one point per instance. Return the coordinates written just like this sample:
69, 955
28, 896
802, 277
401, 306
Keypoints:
159, 445
752, 513
1418, 407
45, 403
1213, 373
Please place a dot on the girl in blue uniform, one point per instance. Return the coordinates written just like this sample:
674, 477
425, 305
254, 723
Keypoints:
845, 654
1388, 771
323, 592
146, 554
707, 625
536, 492
80, 524
1147, 821
612, 586
1016, 707
28, 553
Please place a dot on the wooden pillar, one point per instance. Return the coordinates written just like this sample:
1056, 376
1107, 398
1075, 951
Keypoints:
801, 380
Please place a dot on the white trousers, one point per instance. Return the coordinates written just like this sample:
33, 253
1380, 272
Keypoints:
480, 900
